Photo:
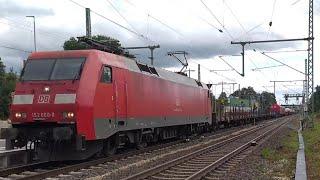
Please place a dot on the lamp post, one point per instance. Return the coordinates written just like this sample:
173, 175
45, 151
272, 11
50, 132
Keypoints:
34, 32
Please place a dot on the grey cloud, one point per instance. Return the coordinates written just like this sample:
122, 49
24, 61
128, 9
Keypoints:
12, 8
199, 44
47, 39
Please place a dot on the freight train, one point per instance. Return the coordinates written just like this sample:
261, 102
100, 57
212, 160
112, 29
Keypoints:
71, 105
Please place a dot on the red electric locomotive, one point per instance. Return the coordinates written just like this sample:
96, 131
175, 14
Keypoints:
277, 110
75, 104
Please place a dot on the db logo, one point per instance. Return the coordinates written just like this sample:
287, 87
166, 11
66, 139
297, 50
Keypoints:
44, 99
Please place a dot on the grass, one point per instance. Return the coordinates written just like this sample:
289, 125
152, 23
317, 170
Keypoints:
267, 153
312, 149
282, 157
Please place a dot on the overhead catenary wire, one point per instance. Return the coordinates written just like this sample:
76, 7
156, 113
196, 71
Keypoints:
250, 30
229, 65
234, 15
120, 14
113, 22
218, 74
261, 72
266, 67
286, 51
166, 25
16, 49
149, 15
215, 17
210, 24
295, 2
290, 89
29, 29
271, 19
282, 63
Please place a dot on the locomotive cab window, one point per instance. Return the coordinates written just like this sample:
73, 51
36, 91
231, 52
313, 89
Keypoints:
106, 76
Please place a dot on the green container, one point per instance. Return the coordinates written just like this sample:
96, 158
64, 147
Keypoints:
239, 102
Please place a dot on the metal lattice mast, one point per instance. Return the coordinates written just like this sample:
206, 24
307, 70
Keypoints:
305, 90
310, 62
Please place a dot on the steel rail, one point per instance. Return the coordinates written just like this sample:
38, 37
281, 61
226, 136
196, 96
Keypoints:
203, 172
18, 169
74, 167
157, 169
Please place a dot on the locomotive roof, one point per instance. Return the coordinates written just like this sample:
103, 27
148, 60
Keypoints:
129, 64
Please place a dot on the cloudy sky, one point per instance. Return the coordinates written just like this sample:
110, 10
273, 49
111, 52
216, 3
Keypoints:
189, 25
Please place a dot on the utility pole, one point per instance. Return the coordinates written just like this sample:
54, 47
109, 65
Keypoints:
222, 86
151, 48
233, 87
34, 32
199, 78
274, 88
88, 23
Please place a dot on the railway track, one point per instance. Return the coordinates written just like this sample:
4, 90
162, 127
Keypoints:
49, 169
43, 170
213, 161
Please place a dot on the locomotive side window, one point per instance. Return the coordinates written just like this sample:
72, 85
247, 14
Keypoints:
106, 76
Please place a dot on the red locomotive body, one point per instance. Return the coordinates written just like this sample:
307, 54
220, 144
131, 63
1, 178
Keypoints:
85, 102
277, 110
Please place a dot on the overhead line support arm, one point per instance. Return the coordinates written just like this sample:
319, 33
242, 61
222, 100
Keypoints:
243, 43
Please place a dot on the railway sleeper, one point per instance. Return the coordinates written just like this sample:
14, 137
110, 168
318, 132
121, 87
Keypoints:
193, 163
212, 178
187, 166
180, 171
204, 159
183, 169
166, 175
165, 178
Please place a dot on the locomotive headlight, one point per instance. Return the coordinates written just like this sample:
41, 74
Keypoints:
68, 115
18, 115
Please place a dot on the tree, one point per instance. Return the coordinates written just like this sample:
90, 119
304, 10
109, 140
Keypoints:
245, 93
266, 99
74, 44
316, 96
2, 68
223, 99
7, 85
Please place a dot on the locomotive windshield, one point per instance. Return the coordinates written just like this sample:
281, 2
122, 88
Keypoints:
53, 69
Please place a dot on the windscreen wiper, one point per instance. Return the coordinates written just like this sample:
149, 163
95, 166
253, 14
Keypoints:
77, 75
